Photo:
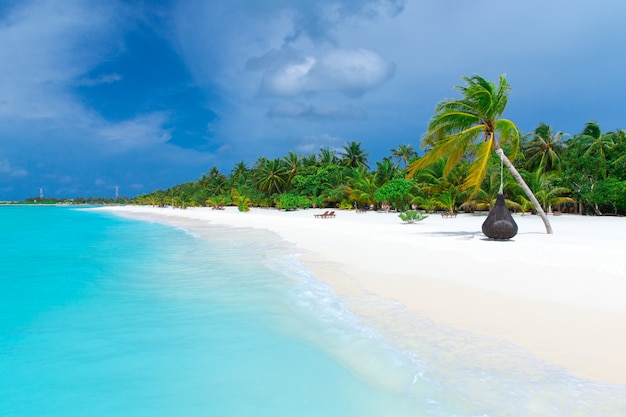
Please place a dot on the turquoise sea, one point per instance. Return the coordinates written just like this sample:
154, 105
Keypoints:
106, 316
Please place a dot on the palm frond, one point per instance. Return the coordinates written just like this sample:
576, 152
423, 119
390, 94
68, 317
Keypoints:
502, 96
457, 146
419, 164
478, 169
592, 129
452, 146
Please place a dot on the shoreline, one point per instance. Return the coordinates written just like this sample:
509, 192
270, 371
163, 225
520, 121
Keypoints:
560, 297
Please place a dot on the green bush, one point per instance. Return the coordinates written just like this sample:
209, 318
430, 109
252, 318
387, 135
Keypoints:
305, 202
412, 216
288, 201
345, 205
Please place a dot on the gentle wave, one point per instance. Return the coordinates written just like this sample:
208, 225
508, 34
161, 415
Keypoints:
434, 364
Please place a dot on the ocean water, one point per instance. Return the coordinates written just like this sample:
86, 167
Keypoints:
106, 316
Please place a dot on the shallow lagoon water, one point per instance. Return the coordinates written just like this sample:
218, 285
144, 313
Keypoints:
106, 316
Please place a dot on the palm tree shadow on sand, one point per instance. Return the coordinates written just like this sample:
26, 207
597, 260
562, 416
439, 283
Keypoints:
461, 234
477, 234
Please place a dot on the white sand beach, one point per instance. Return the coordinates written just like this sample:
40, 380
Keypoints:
562, 297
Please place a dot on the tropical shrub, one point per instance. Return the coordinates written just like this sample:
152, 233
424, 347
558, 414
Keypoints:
397, 192
241, 201
288, 201
345, 205
412, 216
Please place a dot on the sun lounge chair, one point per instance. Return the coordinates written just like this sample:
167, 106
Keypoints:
321, 216
331, 214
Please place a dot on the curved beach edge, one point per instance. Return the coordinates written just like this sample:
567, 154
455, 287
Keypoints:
558, 296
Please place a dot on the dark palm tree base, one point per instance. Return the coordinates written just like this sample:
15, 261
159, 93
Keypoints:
499, 224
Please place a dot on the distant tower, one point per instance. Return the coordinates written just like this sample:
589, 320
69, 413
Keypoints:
117, 192
41, 193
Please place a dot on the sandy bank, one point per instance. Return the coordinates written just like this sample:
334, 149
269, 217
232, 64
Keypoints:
561, 296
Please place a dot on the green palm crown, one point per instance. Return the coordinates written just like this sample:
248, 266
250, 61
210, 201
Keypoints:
470, 127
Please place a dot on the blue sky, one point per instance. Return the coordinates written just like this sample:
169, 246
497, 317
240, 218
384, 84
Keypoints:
148, 94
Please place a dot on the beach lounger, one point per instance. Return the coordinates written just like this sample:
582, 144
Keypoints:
331, 214
321, 216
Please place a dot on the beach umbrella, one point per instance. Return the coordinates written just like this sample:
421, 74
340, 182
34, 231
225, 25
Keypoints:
499, 223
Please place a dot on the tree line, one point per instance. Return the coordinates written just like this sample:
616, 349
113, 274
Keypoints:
584, 173
467, 146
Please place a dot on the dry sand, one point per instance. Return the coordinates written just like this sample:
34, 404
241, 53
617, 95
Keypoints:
561, 297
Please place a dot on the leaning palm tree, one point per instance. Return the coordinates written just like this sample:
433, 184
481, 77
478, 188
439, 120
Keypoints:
458, 125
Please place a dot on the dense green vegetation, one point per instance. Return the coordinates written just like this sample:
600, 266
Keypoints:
547, 170
581, 173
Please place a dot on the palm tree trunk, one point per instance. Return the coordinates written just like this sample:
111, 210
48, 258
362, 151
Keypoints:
526, 189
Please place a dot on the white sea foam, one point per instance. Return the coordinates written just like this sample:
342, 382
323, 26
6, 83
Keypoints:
433, 364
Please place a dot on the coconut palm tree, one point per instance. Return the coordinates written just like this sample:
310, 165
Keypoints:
474, 124
309, 160
327, 157
353, 156
385, 171
403, 153
447, 200
595, 141
544, 149
362, 190
293, 165
547, 192
217, 183
432, 180
271, 176
239, 170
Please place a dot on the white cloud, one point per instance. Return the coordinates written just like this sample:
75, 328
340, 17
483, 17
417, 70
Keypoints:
351, 72
313, 143
142, 131
291, 79
45, 46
